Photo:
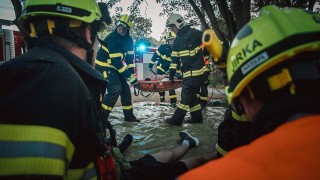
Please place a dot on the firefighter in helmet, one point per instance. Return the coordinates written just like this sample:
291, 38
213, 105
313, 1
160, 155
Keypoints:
163, 58
187, 51
51, 118
115, 62
275, 87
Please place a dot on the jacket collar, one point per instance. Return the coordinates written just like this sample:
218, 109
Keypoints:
78, 64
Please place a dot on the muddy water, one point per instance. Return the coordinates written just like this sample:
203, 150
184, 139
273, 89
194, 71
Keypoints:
152, 134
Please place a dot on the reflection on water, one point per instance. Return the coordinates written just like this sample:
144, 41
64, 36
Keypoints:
152, 134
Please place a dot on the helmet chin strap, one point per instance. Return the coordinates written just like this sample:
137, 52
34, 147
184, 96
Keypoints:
89, 48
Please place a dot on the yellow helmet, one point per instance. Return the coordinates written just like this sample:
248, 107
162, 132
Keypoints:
125, 21
170, 35
273, 38
84, 11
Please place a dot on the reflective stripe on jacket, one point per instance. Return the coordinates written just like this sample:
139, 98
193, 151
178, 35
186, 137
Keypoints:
163, 56
113, 52
187, 49
40, 122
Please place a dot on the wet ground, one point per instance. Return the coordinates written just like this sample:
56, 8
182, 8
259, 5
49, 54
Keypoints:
152, 134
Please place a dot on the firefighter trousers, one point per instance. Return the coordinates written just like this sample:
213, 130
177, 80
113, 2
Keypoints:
189, 100
117, 86
172, 92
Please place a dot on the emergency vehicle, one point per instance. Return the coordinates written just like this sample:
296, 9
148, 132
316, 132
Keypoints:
143, 57
11, 40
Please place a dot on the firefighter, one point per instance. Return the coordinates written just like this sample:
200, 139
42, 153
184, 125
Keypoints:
275, 86
115, 62
187, 51
51, 118
163, 56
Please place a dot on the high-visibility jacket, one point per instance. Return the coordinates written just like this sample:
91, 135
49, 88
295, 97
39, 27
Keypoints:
117, 53
187, 50
291, 151
50, 114
163, 56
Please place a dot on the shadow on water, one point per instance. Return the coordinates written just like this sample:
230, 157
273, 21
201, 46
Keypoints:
152, 134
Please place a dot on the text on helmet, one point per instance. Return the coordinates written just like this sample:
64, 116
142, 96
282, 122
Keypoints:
244, 53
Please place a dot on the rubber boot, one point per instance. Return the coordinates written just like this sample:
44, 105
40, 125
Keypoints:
203, 104
196, 117
177, 117
162, 94
129, 117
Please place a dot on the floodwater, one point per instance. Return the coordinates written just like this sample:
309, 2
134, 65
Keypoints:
152, 134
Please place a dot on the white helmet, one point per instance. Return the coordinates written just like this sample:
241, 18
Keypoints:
175, 19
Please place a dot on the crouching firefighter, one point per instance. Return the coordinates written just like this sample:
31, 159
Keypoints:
163, 56
58, 131
115, 62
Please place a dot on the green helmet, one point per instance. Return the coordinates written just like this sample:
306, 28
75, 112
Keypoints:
274, 37
125, 21
86, 11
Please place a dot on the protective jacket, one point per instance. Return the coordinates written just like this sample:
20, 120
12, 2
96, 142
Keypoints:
115, 61
116, 53
187, 51
163, 56
43, 129
289, 152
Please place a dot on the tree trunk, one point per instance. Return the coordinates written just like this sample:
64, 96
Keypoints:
213, 20
229, 19
199, 14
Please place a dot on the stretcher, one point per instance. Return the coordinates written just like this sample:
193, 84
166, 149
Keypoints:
159, 86
155, 86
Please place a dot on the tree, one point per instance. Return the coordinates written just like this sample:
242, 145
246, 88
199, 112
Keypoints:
141, 28
229, 15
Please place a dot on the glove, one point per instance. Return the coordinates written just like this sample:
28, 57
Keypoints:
132, 79
179, 76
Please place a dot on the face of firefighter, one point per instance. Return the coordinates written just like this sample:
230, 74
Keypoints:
251, 106
174, 28
170, 41
122, 31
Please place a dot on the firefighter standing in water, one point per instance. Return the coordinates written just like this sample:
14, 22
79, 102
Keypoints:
115, 48
187, 51
163, 56
58, 131
276, 88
